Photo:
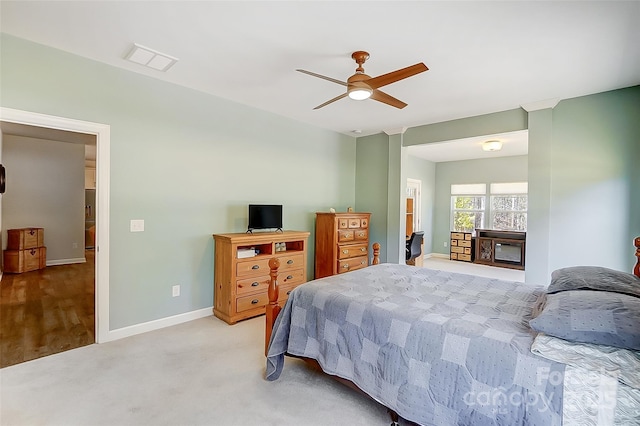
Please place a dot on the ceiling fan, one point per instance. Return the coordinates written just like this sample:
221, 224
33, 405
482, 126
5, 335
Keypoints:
360, 86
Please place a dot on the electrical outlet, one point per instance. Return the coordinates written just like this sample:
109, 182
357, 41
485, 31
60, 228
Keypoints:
445, 243
175, 290
136, 225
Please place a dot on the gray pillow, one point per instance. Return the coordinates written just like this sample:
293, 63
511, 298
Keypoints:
598, 317
594, 278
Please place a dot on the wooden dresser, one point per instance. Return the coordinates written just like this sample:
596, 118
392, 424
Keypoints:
25, 250
241, 283
342, 242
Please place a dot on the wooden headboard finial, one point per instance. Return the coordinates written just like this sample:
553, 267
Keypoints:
376, 254
636, 269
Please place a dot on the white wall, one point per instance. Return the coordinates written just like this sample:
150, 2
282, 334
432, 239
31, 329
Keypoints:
45, 189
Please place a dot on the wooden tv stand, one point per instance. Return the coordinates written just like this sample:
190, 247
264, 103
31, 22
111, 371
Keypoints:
505, 249
240, 284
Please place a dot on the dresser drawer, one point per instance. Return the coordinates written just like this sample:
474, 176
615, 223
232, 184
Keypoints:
343, 223
464, 243
283, 292
293, 261
352, 250
251, 302
361, 234
291, 277
252, 267
352, 264
364, 222
354, 223
252, 285
344, 235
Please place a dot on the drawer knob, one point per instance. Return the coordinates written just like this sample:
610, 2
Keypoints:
254, 301
290, 262
255, 267
363, 249
345, 266
289, 277
255, 284
362, 262
345, 251
33, 252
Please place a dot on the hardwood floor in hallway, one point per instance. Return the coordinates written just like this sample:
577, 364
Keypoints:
47, 311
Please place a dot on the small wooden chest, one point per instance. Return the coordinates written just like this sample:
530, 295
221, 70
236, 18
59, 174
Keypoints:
25, 238
19, 261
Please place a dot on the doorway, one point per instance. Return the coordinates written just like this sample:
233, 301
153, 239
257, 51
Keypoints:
413, 210
101, 133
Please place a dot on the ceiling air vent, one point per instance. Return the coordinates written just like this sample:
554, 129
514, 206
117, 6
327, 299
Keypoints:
150, 58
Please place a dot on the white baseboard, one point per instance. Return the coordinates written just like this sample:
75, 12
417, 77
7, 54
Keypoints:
439, 255
66, 261
144, 327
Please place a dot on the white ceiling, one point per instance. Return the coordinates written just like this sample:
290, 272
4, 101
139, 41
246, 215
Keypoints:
513, 143
483, 57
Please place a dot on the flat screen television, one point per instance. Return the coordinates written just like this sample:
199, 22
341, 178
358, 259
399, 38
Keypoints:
265, 216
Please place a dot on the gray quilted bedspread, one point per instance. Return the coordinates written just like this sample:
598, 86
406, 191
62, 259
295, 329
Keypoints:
439, 348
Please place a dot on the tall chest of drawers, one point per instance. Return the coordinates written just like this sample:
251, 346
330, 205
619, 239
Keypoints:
342, 242
241, 283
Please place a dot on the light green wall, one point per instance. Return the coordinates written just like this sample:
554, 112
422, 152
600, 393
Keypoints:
595, 185
187, 163
372, 159
487, 171
488, 124
425, 172
539, 196
585, 150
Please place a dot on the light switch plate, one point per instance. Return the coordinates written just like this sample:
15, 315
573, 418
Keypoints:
137, 225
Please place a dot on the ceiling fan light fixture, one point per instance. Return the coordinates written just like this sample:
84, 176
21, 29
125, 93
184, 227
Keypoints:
360, 93
493, 145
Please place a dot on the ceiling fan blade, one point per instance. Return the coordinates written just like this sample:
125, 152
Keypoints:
380, 96
324, 77
392, 77
337, 98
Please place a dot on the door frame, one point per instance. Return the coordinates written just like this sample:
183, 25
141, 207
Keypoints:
102, 132
417, 205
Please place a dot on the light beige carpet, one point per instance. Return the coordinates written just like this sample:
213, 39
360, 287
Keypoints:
204, 372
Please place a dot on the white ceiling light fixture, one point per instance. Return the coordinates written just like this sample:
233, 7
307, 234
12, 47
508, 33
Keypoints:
493, 145
151, 58
360, 93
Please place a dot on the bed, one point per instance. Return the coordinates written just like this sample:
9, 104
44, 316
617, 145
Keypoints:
442, 348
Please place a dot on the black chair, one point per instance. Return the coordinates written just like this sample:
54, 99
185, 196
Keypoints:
414, 246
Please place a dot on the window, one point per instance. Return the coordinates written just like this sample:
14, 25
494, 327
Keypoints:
509, 206
468, 207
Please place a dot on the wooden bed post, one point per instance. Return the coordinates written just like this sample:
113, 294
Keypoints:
272, 309
376, 254
636, 269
